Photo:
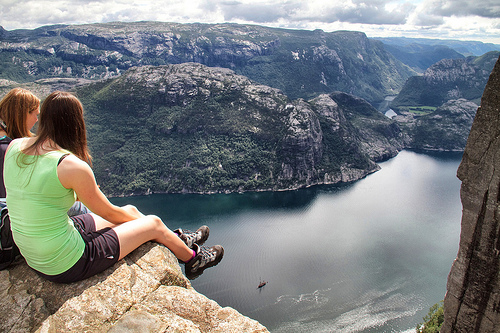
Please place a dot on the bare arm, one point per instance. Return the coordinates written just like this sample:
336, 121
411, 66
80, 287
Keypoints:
75, 174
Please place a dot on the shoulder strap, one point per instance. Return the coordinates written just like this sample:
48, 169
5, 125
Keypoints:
62, 158
5, 140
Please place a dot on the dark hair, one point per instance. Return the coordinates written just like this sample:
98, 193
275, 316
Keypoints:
61, 120
14, 110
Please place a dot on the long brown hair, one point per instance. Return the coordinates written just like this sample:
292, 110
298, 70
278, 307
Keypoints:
14, 110
61, 120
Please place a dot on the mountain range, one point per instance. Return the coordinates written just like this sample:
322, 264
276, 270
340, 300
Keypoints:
465, 48
221, 108
303, 64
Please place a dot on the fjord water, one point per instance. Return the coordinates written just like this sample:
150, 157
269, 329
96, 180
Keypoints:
371, 256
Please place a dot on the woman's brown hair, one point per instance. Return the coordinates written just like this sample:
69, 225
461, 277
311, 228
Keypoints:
14, 110
61, 120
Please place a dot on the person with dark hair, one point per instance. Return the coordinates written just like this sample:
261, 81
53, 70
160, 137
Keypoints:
47, 173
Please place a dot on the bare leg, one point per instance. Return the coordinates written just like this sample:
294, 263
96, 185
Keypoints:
134, 233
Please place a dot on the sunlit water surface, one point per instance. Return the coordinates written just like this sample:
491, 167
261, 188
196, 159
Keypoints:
371, 256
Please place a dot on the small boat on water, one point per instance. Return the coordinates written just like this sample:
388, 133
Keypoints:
261, 284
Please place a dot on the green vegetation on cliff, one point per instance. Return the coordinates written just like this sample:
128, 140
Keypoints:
192, 128
433, 320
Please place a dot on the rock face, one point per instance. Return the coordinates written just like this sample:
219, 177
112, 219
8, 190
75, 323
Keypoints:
145, 292
445, 129
448, 79
472, 302
378, 138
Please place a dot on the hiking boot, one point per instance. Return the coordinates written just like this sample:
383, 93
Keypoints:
190, 238
205, 258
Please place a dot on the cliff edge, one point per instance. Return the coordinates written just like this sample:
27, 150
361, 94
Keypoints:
472, 302
145, 292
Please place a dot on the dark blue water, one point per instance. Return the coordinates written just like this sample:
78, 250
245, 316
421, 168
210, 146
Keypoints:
371, 256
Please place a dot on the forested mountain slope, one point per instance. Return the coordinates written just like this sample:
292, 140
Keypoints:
193, 128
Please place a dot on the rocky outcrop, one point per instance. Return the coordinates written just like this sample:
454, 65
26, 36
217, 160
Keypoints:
445, 129
145, 292
448, 79
174, 42
472, 302
302, 145
378, 137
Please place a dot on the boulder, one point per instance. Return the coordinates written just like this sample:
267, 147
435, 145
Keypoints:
144, 292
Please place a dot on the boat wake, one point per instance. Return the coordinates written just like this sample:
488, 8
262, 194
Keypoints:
371, 311
318, 297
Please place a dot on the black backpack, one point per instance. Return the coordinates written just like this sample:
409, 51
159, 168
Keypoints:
9, 251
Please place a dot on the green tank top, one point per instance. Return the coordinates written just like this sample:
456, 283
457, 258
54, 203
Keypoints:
38, 206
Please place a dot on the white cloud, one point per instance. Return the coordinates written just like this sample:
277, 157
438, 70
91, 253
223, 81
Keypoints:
481, 8
353, 11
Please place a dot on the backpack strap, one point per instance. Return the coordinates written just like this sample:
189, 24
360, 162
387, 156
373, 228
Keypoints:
62, 158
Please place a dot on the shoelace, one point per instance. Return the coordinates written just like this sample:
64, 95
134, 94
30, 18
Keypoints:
207, 255
191, 237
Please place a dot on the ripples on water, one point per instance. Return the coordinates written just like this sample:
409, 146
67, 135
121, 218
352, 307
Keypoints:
371, 256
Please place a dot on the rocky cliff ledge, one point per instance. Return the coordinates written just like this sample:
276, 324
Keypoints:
145, 292
472, 302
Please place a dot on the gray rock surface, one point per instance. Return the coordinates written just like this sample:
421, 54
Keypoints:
445, 129
448, 79
145, 292
472, 302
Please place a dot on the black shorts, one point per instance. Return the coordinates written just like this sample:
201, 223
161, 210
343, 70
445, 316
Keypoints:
102, 250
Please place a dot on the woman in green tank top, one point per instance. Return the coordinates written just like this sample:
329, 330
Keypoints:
47, 173
19, 110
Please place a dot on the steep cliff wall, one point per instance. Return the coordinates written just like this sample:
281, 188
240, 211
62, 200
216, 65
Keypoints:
145, 292
472, 302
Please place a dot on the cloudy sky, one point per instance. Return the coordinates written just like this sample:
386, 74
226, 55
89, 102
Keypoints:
445, 19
